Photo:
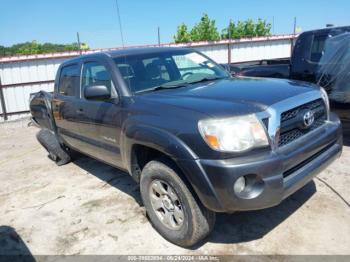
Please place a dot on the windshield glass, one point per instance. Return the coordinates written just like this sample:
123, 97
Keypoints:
170, 69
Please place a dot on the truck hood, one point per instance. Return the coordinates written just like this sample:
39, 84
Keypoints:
234, 96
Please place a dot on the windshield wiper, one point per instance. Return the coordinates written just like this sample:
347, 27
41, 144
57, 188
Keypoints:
182, 84
207, 78
165, 86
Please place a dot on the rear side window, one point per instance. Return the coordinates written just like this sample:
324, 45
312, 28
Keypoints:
69, 80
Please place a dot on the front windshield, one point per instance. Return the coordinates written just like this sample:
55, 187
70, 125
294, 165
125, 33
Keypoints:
166, 69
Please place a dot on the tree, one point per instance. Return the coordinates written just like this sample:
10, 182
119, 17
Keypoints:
233, 30
248, 28
205, 30
240, 30
230, 31
29, 48
2, 50
182, 34
262, 28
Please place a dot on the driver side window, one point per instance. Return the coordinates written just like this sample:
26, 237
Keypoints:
95, 73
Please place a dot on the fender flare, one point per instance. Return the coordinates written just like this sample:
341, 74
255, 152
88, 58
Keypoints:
170, 145
154, 138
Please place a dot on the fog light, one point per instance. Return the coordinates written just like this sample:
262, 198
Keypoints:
239, 185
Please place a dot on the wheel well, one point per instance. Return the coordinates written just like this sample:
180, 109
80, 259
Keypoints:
140, 156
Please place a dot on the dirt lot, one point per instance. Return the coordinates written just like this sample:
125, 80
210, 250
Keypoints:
87, 207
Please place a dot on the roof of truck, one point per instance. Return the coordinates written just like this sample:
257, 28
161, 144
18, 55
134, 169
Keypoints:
144, 50
328, 29
125, 52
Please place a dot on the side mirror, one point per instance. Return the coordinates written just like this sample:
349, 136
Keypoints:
97, 92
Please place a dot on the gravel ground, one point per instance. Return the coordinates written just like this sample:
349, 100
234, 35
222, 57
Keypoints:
87, 207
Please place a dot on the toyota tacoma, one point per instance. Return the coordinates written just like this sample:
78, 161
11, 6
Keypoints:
197, 140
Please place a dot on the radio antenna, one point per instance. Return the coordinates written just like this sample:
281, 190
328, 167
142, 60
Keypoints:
120, 23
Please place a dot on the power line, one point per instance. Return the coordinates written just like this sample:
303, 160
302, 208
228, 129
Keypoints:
120, 23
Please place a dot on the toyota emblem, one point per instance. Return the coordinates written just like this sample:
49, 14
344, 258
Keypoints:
308, 118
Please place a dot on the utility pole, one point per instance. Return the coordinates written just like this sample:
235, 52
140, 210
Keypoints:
292, 39
273, 25
158, 36
120, 23
79, 45
229, 43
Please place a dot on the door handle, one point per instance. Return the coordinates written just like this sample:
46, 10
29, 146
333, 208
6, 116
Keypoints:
80, 111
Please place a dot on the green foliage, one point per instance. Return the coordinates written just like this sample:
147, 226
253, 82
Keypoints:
262, 28
205, 30
248, 28
30, 48
182, 34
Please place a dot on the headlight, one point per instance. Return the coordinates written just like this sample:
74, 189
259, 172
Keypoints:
233, 134
325, 99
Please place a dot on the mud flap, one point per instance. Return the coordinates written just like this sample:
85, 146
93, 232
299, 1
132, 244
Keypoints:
49, 141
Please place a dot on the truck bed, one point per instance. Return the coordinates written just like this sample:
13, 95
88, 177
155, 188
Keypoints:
277, 68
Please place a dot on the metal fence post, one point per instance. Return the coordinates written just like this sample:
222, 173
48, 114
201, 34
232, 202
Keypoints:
2, 101
229, 44
229, 53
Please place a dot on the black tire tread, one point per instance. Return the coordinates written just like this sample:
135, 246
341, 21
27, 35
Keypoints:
203, 219
49, 141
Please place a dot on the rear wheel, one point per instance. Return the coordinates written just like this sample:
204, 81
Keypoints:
172, 208
49, 141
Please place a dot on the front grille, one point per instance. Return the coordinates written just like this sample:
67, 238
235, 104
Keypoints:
291, 121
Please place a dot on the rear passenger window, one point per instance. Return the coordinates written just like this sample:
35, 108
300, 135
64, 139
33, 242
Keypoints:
69, 80
95, 73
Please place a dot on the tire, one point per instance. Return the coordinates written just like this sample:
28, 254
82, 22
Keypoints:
185, 230
56, 153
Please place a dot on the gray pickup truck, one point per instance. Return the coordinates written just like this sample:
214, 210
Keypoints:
197, 140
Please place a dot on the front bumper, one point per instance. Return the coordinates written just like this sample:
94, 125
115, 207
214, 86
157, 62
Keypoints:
280, 172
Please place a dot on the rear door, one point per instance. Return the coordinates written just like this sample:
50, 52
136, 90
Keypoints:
100, 120
64, 104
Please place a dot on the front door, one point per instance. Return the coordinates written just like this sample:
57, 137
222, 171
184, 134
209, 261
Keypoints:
100, 120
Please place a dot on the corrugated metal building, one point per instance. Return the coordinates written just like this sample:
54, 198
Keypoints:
22, 75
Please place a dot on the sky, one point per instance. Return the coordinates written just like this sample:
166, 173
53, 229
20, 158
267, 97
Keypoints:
57, 21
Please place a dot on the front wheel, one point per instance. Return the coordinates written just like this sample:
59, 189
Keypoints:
172, 208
